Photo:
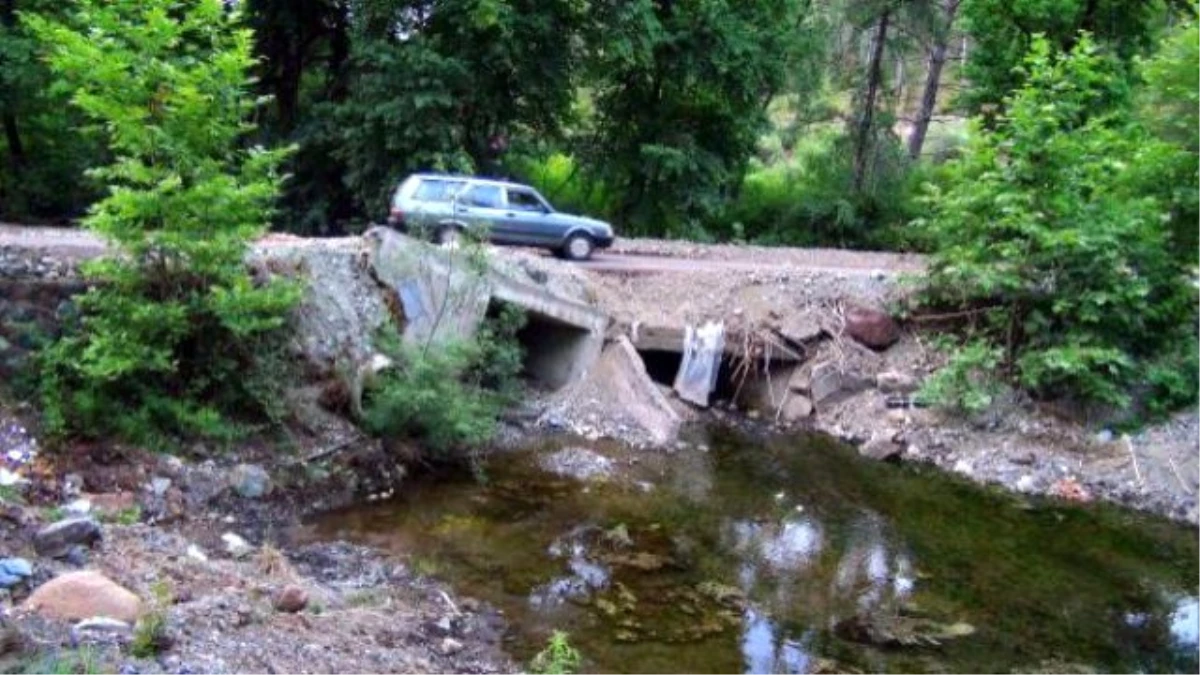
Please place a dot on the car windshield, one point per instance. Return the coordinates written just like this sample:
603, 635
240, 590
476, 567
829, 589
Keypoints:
435, 190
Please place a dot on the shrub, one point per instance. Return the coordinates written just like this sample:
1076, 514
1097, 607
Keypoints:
567, 185
558, 658
811, 202
174, 323
1070, 277
447, 395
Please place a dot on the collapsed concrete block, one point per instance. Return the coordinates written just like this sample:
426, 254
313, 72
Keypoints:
619, 382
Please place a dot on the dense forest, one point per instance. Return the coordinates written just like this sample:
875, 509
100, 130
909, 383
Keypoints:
1044, 152
778, 121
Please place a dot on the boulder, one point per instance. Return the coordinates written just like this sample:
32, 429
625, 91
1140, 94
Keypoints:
14, 571
291, 599
894, 382
829, 384
251, 481
880, 449
235, 546
871, 327
75, 596
798, 407
101, 630
57, 539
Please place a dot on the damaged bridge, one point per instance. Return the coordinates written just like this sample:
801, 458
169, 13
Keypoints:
608, 350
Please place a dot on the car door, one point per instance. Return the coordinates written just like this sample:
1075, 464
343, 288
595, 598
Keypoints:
481, 206
531, 218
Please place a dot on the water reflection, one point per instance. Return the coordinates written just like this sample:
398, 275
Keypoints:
586, 576
1185, 623
749, 557
767, 651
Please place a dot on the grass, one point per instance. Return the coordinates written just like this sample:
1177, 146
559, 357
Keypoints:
81, 661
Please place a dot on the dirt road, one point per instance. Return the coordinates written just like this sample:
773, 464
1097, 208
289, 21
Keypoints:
625, 256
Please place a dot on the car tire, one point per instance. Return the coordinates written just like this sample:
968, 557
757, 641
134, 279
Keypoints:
578, 246
449, 236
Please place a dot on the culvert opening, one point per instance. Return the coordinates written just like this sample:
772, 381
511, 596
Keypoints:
751, 386
551, 350
662, 366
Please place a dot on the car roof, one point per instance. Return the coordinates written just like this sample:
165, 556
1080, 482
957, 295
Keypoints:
471, 179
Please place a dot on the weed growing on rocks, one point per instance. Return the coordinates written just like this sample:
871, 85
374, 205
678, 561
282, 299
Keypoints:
558, 658
151, 636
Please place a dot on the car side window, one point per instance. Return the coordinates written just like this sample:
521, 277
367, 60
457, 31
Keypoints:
523, 200
436, 190
486, 196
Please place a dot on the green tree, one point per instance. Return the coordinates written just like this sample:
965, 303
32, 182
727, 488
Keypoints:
1169, 106
1002, 32
449, 84
1068, 275
303, 50
43, 154
169, 334
681, 90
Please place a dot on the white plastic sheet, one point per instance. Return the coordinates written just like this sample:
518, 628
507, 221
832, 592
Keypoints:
702, 350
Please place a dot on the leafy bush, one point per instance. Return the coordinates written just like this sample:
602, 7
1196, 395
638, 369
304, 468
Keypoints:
566, 184
174, 323
1071, 277
967, 383
558, 658
447, 395
812, 201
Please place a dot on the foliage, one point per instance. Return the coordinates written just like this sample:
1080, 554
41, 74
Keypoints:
174, 323
1003, 32
558, 658
44, 147
680, 95
150, 636
812, 202
967, 383
1169, 106
448, 395
81, 661
445, 86
561, 179
1074, 281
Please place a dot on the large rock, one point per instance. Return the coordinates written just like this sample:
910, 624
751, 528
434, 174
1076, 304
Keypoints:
829, 383
291, 599
75, 596
871, 327
894, 382
250, 481
14, 571
881, 449
57, 539
797, 407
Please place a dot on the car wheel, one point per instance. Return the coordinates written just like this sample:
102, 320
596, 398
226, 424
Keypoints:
448, 236
578, 247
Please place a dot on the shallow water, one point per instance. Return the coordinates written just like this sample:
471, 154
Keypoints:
759, 554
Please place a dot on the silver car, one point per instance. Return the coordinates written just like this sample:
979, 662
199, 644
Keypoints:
445, 207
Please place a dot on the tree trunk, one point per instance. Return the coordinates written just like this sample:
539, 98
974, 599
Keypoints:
12, 136
874, 77
933, 81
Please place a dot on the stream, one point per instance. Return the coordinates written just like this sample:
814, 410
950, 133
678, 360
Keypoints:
791, 554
